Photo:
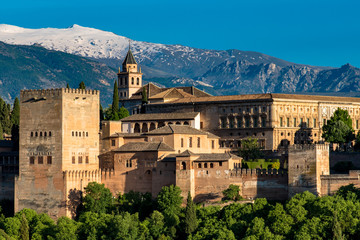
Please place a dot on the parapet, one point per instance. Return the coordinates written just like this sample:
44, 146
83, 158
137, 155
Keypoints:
302, 147
257, 172
57, 92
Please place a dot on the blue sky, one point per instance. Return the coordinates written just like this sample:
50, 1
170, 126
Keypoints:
317, 32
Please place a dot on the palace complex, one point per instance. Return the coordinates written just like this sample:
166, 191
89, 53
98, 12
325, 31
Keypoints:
182, 136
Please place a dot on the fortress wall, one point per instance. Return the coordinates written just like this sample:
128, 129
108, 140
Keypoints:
353, 157
331, 183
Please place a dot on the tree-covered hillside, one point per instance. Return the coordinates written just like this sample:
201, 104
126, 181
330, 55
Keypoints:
34, 67
139, 216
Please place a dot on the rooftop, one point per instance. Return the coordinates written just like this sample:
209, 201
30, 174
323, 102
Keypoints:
179, 129
144, 147
265, 96
160, 116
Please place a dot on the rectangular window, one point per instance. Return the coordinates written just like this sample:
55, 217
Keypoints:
40, 160
263, 121
198, 142
32, 160
87, 159
301, 121
190, 141
239, 122
307, 122
295, 122
113, 143
212, 144
281, 121
247, 122
255, 122
288, 122
201, 125
80, 159
73, 159
182, 142
137, 81
223, 122
220, 164
49, 159
357, 124
314, 123
72, 133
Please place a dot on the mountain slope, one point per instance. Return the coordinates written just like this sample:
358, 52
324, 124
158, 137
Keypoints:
33, 67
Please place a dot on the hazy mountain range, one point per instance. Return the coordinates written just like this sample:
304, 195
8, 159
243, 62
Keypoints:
101, 53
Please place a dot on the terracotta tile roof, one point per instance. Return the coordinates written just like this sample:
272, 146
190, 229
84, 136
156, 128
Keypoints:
160, 116
265, 96
115, 135
205, 157
172, 91
144, 147
179, 129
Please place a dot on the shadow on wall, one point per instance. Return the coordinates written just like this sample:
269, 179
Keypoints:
74, 202
301, 136
206, 197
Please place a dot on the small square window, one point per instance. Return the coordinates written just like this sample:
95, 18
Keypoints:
113, 143
40, 160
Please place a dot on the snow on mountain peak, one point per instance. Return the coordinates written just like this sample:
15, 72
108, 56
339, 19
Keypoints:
83, 41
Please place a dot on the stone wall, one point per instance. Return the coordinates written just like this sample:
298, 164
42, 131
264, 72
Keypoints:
331, 183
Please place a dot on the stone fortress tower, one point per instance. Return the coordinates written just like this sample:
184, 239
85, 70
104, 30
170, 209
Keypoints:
58, 148
130, 78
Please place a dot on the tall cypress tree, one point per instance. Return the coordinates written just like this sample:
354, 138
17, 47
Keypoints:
101, 113
190, 216
15, 119
67, 85
82, 85
144, 99
5, 116
115, 103
15, 113
24, 228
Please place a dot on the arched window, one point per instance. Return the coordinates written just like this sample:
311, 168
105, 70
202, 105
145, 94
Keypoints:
183, 166
137, 128
132, 81
31, 134
211, 165
144, 127
137, 81
40, 134
45, 134
161, 124
36, 134
186, 123
152, 126
178, 123
199, 165
205, 165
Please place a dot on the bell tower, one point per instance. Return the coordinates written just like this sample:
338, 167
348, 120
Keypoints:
130, 78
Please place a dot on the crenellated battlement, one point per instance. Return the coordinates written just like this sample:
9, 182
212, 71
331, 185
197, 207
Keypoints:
77, 174
57, 92
257, 172
302, 147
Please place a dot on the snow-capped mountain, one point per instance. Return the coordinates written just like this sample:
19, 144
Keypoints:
156, 59
216, 71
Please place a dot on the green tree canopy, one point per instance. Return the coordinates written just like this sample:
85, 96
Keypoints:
339, 128
250, 149
82, 85
123, 113
232, 193
144, 98
115, 103
97, 198
190, 216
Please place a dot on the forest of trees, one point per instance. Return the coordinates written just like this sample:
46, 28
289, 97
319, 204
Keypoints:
138, 216
9, 119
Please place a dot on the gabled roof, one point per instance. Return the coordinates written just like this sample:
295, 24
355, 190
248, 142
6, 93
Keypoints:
153, 90
171, 93
179, 129
160, 116
144, 147
204, 157
129, 59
